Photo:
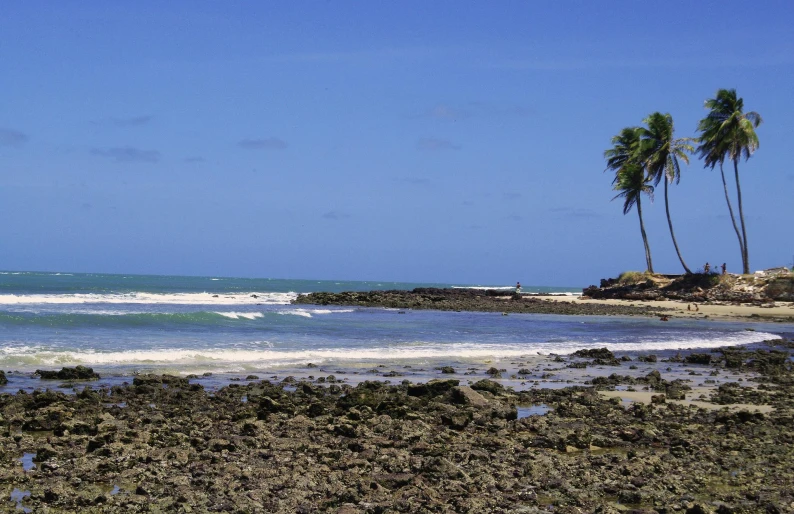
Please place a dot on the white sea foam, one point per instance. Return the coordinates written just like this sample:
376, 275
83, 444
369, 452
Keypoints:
238, 315
32, 357
35, 309
485, 288
650, 345
307, 313
183, 357
251, 298
511, 288
297, 312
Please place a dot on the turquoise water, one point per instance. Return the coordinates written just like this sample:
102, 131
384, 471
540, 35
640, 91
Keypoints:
125, 324
32, 282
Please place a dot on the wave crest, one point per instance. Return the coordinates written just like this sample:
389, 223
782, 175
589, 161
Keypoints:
250, 298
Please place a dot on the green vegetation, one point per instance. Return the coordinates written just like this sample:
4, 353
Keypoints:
641, 155
660, 152
628, 278
728, 132
630, 178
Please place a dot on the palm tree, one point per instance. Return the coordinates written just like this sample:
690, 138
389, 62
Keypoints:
630, 179
728, 132
660, 153
710, 162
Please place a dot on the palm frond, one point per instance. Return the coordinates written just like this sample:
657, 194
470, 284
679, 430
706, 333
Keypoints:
754, 117
727, 132
631, 182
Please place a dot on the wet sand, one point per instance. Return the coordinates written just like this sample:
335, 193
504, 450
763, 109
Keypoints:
646, 398
773, 311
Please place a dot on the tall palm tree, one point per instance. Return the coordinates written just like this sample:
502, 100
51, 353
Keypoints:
711, 163
660, 152
630, 179
729, 132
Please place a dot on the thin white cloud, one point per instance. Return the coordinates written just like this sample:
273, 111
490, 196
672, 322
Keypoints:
374, 56
575, 212
10, 137
335, 215
134, 121
128, 154
594, 62
478, 109
415, 181
270, 143
433, 144
446, 112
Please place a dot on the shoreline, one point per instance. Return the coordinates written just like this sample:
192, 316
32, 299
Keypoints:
626, 440
775, 312
533, 303
664, 431
546, 370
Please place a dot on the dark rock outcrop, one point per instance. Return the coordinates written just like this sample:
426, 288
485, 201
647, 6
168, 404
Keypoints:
467, 300
762, 287
76, 373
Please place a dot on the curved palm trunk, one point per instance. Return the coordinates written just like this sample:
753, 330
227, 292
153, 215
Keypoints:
730, 210
745, 253
672, 234
644, 238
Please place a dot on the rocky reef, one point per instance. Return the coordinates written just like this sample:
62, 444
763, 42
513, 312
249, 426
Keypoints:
76, 373
762, 287
467, 300
163, 443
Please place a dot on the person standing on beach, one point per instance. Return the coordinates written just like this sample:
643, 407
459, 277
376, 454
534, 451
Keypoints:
518, 287
724, 269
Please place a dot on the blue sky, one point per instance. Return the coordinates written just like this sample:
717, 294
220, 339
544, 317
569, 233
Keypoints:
457, 142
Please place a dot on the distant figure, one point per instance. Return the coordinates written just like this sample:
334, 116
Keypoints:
696, 307
724, 269
518, 287
707, 268
664, 318
688, 307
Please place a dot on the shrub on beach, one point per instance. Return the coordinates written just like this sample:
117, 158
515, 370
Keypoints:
632, 277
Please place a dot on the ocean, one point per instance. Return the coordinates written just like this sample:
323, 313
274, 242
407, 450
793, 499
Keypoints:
121, 325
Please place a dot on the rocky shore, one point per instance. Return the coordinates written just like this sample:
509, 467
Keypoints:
469, 300
165, 444
775, 285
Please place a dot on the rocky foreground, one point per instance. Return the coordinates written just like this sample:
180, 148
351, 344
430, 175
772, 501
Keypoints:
469, 300
163, 444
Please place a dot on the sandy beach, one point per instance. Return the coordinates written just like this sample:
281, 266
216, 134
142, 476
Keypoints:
773, 311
